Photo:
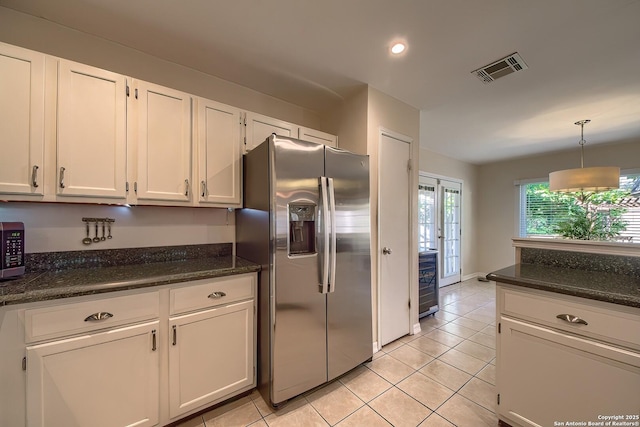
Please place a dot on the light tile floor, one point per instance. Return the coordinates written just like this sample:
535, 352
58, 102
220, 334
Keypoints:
443, 376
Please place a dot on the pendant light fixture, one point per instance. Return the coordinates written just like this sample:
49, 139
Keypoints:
584, 179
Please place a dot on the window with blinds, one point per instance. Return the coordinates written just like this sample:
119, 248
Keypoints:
542, 211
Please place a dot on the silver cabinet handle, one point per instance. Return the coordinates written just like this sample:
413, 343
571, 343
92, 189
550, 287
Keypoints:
101, 315
186, 187
204, 188
571, 319
217, 295
386, 251
34, 176
175, 335
62, 177
153, 340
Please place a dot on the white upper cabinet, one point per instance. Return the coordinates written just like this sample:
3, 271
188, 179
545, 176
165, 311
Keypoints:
102, 137
312, 135
260, 127
162, 138
21, 121
91, 143
219, 153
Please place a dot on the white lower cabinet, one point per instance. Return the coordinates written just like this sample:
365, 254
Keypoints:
548, 375
104, 379
135, 358
210, 356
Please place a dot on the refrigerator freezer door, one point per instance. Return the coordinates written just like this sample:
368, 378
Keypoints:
298, 315
350, 337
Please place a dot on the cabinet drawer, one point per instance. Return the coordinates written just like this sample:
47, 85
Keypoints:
609, 323
69, 319
211, 292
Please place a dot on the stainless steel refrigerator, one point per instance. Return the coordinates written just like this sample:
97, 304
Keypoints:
306, 221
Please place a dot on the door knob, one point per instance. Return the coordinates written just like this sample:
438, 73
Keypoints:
386, 251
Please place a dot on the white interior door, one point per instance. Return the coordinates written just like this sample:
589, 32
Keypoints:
393, 238
450, 232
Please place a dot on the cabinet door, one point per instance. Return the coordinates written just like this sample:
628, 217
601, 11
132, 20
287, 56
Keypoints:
21, 120
219, 153
91, 131
104, 379
163, 141
260, 127
313, 135
211, 355
545, 376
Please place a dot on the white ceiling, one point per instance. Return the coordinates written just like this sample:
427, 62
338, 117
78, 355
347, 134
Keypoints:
583, 58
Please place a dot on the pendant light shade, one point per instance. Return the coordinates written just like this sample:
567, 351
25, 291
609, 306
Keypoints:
585, 179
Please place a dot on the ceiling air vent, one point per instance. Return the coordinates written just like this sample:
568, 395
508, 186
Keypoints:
500, 68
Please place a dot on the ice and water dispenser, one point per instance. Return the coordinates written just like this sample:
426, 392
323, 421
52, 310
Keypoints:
302, 229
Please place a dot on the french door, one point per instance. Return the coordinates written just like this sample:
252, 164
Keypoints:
439, 217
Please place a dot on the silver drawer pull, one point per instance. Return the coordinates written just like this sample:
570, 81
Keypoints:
571, 319
217, 294
101, 315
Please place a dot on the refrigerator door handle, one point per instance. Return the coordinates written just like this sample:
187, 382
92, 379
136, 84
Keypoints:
332, 244
325, 235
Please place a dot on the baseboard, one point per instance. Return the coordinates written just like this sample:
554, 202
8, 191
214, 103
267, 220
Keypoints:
473, 276
416, 328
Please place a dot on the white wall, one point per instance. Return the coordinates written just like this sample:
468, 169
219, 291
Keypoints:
438, 164
497, 193
52, 227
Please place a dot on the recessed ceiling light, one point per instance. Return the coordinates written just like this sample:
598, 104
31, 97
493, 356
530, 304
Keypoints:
398, 48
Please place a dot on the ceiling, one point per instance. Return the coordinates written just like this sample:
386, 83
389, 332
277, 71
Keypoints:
583, 59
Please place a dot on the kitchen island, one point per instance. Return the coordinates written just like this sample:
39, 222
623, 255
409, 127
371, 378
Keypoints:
568, 342
155, 335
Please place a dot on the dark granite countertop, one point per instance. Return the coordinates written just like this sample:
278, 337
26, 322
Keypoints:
48, 285
596, 285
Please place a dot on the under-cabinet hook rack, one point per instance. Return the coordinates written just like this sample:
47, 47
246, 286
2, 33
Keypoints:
98, 220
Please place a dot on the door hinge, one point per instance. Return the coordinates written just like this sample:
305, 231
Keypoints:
245, 142
126, 187
498, 398
499, 328
135, 187
24, 363
409, 303
136, 92
127, 90
409, 167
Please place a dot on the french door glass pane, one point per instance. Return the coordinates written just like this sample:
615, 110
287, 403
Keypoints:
451, 226
426, 218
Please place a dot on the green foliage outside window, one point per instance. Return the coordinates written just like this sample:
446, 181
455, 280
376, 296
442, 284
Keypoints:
583, 216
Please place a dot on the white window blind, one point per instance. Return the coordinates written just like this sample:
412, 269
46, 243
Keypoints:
539, 214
